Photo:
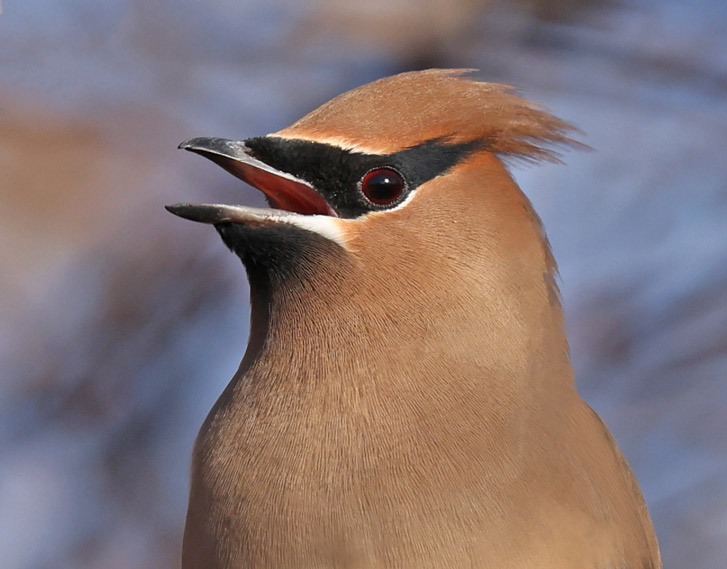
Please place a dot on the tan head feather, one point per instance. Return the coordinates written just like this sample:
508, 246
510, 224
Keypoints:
408, 109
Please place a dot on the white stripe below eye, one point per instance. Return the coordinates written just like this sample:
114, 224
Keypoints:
403, 204
332, 228
324, 225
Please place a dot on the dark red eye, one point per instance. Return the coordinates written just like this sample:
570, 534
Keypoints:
383, 186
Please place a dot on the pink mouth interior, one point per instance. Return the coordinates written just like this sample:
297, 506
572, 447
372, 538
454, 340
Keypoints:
282, 193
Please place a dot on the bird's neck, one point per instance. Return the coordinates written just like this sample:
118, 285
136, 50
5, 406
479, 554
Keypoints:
331, 328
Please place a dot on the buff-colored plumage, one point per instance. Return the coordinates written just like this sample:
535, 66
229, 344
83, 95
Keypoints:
407, 400
410, 108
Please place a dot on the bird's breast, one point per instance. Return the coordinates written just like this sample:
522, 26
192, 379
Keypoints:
346, 473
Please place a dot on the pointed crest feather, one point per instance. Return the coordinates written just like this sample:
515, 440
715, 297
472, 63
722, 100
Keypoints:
410, 108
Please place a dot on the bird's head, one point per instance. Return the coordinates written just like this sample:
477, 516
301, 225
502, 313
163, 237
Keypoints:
395, 190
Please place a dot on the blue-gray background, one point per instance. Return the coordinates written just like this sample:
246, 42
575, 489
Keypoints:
120, 324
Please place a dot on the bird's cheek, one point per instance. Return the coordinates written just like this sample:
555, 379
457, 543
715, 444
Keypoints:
355, 234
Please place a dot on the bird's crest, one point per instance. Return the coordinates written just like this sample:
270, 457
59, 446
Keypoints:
410, 108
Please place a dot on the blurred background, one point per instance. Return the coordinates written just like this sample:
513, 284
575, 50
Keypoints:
121, 324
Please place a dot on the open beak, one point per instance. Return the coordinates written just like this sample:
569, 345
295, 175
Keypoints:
294, 201
282, 190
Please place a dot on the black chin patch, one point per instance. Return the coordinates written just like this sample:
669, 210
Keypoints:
335, 173
276, 253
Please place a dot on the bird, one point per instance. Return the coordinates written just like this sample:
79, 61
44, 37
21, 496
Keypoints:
406, 398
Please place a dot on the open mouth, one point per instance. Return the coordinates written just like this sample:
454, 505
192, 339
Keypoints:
292, 200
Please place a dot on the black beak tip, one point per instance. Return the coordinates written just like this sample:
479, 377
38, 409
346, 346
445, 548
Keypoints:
176, 209
199, 213
194, 143
213, 146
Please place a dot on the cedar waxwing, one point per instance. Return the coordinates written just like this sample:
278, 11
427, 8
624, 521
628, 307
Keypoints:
406, 399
